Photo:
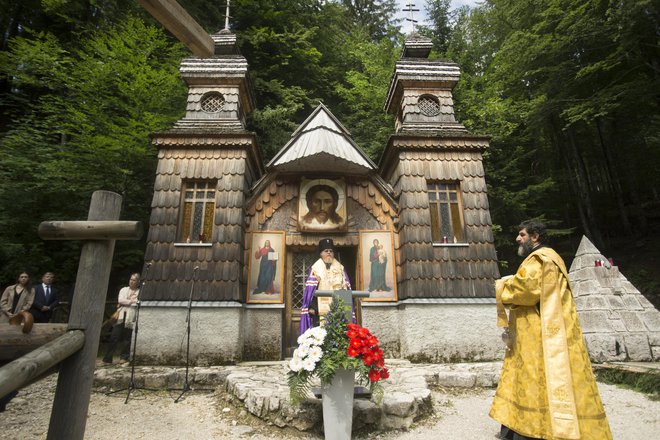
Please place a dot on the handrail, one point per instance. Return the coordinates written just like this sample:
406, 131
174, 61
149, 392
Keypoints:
25, 369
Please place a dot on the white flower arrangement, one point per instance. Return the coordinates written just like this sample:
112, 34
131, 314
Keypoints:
309, 351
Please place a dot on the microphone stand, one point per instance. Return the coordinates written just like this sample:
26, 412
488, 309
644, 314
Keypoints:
186, 385
131, 383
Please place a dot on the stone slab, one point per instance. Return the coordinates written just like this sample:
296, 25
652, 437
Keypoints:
604, 347
631, 302
638, 348
615, 302
651, 319
591, 302
632, 321
586, 287
595, 322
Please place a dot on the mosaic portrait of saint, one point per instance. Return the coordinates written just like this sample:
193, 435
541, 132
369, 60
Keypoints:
322, 205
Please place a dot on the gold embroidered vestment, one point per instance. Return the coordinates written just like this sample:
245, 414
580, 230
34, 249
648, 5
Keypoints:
547, 388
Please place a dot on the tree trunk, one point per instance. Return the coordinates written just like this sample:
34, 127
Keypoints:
584, 194
616, 181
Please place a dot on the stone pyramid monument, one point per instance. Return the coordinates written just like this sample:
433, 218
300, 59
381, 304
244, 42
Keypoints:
618, 322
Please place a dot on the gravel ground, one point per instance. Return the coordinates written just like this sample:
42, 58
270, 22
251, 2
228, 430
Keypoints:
460, 414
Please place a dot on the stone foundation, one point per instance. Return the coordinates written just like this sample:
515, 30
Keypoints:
263, 332
447, 330
215, 338
436, 330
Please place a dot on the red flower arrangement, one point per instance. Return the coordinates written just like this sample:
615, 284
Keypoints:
362, 344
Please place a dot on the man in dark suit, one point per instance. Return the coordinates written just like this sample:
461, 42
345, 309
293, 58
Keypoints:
45, 299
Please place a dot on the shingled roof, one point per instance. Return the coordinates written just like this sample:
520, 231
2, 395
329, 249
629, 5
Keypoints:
321, 144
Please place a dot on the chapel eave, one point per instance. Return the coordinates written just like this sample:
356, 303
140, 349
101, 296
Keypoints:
215, 139
439, 140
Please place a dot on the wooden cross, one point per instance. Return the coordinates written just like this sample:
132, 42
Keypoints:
76, 350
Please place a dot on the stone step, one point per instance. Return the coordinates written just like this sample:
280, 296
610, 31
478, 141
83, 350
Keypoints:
262, 388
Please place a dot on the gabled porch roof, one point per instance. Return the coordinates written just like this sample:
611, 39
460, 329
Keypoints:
321, 144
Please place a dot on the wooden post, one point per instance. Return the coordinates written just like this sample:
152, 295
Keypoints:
74, 384
171, 15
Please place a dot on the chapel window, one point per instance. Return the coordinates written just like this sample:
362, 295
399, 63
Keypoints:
429, 105
198, 212
213, 102
446, 212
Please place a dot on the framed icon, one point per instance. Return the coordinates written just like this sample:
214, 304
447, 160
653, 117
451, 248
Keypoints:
322, 205
266, 267
377, 266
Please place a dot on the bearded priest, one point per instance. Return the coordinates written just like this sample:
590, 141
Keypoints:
547, 388
326, 274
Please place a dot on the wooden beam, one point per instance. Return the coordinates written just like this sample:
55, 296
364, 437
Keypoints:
74, 383
14, 343
90, 230
23, 370
176, 20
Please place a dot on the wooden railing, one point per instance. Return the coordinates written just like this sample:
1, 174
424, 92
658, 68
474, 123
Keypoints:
75, 351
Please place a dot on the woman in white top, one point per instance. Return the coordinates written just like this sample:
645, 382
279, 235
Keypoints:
122, 330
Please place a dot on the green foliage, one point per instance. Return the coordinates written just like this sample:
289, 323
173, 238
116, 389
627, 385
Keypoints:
441, 28
335, 344
374, 16
563, 88
82, 121
567, 89
301, 53
365, 91
299, 386
647, 383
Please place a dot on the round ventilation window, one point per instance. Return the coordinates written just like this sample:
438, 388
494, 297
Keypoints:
212, 102
429, 105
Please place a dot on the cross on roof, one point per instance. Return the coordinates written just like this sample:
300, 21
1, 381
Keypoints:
411, 8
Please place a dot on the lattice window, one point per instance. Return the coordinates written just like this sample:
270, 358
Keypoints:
198, 212
301, 264
429, 105
213, 102
446, 212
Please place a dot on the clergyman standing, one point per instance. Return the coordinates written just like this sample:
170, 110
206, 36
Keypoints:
326, 274
547, 388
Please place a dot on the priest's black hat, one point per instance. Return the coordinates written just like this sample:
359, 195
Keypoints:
326, 243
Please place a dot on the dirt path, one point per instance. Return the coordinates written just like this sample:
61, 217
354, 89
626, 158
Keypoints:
460, 414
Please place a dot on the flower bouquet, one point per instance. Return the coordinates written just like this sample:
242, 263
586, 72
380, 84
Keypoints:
337, 345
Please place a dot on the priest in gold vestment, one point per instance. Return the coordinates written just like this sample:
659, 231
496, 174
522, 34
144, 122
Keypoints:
326, 274
547, 388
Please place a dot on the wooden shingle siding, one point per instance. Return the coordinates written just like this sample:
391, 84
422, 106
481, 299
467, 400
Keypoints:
414, 114
280, 191
230, 109
426, 270
221, 262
